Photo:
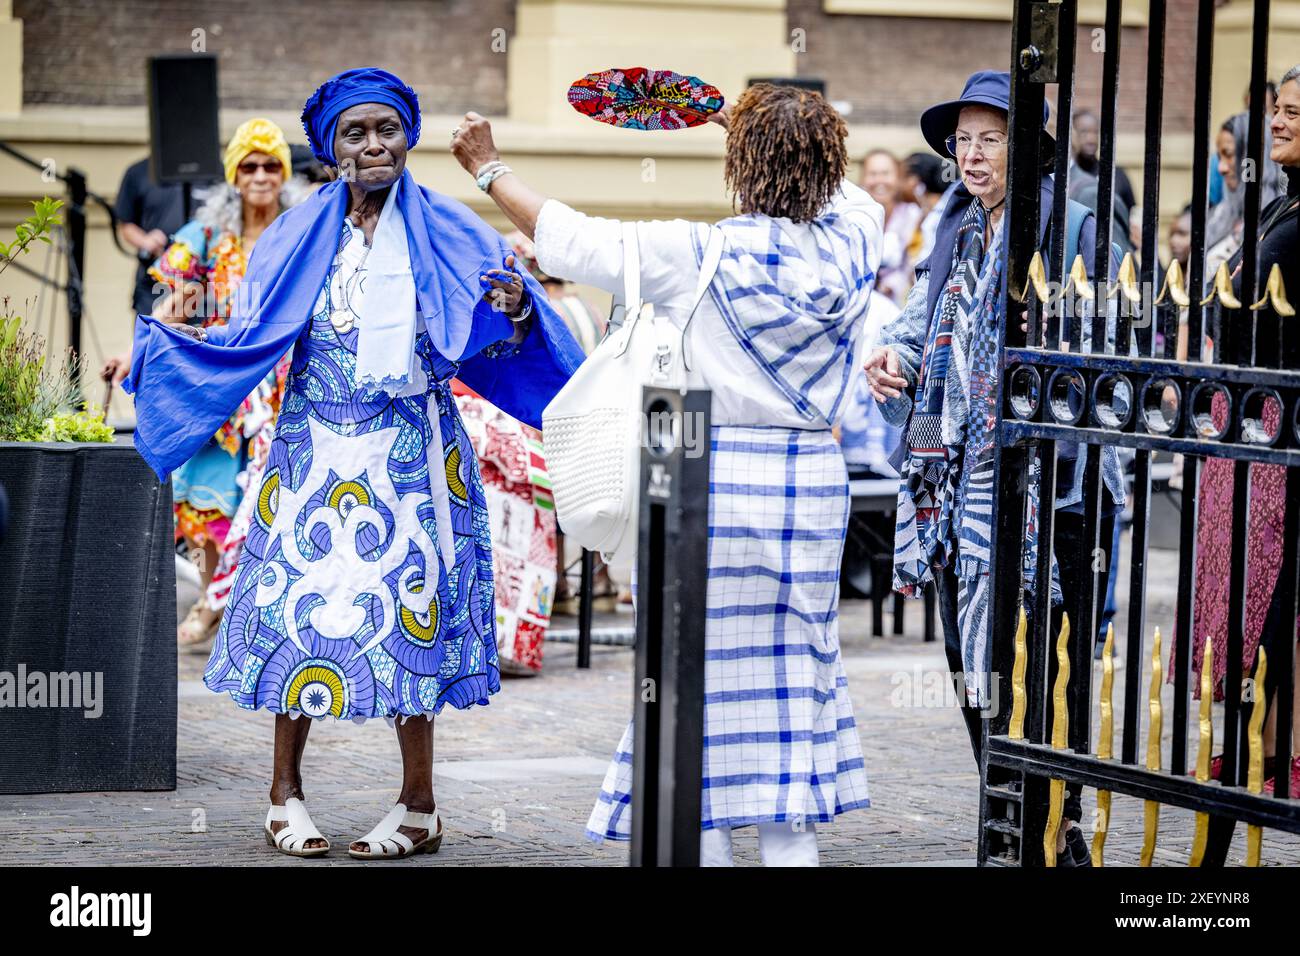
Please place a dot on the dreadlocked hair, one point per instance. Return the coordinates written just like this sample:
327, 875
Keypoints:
785, 152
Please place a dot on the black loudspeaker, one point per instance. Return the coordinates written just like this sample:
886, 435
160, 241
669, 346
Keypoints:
87, 622
184, 136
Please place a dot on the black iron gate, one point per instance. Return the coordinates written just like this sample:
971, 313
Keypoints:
1127, 392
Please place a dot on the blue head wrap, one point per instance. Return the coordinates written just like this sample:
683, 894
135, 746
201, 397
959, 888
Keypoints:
366, 85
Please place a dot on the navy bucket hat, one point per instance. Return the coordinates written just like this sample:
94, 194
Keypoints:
985, 88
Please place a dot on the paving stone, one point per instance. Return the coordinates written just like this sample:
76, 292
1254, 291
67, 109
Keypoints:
516, 780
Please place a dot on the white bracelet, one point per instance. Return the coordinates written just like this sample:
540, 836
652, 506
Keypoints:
485, 180
490, 164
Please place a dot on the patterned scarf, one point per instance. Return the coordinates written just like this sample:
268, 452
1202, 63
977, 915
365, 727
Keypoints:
945, 499
936, 433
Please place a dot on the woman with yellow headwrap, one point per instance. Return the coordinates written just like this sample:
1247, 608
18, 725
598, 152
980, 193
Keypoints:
197, 276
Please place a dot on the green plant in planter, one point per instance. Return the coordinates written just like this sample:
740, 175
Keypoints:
38, 398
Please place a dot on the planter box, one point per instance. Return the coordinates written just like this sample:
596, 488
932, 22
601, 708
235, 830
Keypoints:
87, 622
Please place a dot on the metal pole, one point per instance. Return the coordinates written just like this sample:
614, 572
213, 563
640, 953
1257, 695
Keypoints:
76, 225
584, 609
672, 576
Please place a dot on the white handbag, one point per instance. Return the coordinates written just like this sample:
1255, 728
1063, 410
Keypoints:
592, 429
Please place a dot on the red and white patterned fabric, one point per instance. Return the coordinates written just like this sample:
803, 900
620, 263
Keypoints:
522, 513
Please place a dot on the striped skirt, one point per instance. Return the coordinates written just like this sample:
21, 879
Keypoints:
780, 743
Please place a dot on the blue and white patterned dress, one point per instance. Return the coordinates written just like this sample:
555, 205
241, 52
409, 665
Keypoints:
343, 604
780, 741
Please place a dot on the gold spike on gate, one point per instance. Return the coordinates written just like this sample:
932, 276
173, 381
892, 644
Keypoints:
1255, 769
1204, 749
1174, 286
1105, 744
1078, 279
1152, 807
1038, 279
1060, 732
1017, 729
1222, 289
1126, 281
1275, 294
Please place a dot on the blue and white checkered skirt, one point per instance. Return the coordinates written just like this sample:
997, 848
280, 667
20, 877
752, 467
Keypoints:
780, 742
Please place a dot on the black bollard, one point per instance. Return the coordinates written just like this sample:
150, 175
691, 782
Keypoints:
672, 586
584, 608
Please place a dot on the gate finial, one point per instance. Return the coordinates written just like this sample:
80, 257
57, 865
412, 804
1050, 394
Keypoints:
1255, 769
1126, 281
1106, 744
1152, 807
1060, 732
1205, 747
1275, 292
1017, 729
1222, 289
1038, 279
1174, 286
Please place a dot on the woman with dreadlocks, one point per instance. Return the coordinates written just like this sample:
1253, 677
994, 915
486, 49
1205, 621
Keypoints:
775, 340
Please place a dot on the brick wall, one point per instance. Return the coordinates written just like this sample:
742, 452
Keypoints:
273, 53
892, 68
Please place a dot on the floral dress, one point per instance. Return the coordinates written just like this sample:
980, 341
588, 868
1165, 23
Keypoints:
206, 490
365, 587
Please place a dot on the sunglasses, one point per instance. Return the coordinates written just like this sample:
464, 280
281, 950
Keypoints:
250, 168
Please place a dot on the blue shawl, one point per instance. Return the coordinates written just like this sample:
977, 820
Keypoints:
184, 389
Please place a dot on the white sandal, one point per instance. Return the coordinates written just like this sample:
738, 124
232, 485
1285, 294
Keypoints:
292, 838
385, 841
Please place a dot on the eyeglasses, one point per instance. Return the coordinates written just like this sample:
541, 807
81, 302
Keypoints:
250, 168
960, 144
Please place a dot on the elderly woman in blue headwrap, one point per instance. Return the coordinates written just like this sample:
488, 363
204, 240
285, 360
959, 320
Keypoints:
365, 585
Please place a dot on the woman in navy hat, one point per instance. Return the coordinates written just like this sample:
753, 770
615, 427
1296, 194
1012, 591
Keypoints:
935, 372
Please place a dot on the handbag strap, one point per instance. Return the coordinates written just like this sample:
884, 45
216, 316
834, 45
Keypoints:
631, 272
709, 261
631, 283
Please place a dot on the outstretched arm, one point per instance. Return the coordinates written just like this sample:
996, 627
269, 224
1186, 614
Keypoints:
474, 149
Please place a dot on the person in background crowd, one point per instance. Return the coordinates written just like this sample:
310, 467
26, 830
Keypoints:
1267, 622
935, 372
587, 328
1085, 167
882, 179
867, 439
307, 167
1226, 219
200, 272
521, 510
1180, 239
929, 180
773, 338
1135, 233
147, 216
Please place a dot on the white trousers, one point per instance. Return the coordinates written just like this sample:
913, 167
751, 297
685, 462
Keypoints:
780, 844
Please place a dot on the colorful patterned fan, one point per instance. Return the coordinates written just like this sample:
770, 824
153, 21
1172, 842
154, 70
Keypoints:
637, 98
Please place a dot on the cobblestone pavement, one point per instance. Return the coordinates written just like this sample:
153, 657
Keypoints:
516, 780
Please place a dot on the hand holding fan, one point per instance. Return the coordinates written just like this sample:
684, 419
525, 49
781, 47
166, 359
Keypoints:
637, 98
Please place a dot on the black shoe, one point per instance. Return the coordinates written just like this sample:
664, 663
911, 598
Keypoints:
1076, 847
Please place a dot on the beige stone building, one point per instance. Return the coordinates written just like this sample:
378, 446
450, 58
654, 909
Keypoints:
72, 88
